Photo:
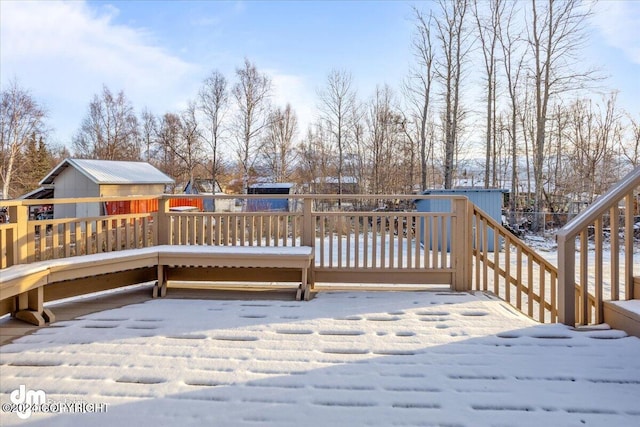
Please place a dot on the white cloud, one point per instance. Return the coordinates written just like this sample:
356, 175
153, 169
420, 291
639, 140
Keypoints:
619, 23
65, 51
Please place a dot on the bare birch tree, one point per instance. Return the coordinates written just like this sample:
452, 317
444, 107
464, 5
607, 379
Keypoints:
214, 104
453, 35
592, 133
110, 129
386, 151
278, 149
337, 106
251, 92
169, 138
631, 151
556, 36
513, 59
488, 26
418, 89
190, 150
148, 133
21, 117
315, 157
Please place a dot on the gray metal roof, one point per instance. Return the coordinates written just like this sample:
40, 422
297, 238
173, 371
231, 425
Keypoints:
111, 172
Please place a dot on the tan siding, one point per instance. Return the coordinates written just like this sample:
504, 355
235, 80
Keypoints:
131, 190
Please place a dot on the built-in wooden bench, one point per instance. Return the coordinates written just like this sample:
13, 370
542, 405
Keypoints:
235, 263
22, 287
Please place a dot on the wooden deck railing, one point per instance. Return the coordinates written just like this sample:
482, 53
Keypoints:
355, 243
351, 245
24, 240
506, 266
581, 295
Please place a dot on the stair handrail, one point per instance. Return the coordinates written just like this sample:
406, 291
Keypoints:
566, 241
601, 205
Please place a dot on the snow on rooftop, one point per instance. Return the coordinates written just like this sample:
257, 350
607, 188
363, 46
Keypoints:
364, 358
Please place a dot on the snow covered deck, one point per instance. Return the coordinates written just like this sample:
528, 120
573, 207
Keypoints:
344, 358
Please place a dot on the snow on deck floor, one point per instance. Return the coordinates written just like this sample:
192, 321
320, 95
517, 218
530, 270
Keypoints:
360, 358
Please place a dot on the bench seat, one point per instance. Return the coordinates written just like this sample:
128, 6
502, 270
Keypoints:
103, 263
298, 258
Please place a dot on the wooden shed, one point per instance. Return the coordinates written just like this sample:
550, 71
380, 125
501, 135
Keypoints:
74, 178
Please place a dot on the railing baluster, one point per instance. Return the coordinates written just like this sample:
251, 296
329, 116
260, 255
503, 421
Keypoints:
496, 263
339, 230
436, 240
366, 232
400, 242
519, 277
598, 270
67, 240
109, 232
100, 238
628, 248
554, 296
542, 293
584, 278
614, 262
426, 239
88, 230
392, 251
507, 269
331, 225
3, 252
445, 226
348, 233
483, 248
416, 236
383, 241
374, 240
530, 294
118, 234
476, 248
55, 241
216, 229
139, 233
408, 240
356, 250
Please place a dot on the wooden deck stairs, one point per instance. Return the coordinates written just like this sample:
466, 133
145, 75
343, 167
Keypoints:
625, 315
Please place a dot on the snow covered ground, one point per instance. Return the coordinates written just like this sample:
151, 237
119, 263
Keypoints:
343, 359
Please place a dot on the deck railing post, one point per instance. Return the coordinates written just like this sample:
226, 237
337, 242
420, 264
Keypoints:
164, 222
20, 216
307, 223
460, 232
566, 280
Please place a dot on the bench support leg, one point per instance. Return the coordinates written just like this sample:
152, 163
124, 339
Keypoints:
303, 293
30, 308
160, 288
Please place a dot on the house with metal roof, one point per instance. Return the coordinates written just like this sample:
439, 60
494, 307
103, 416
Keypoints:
74, 178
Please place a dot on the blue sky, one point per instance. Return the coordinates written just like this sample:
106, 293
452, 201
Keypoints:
158, 53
